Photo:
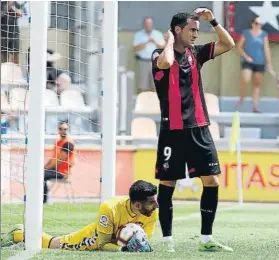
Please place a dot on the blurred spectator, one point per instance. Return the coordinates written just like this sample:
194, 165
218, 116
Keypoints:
145, 42
9, 31
57, 80
5, 122
253, 47
58, 167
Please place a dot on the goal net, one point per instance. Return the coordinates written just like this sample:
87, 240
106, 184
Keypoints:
75, 104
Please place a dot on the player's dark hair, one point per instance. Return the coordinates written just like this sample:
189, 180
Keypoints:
141, 190
182, 19
62, 123
253, 20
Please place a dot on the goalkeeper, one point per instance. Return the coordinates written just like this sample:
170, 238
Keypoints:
140, 208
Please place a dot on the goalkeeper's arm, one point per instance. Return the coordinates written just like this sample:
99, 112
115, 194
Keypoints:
105, 244
134, 245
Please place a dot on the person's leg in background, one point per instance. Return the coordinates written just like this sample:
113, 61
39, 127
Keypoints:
15, 57
4, 56
246, 75
50, 175
4, 50
15, 53
143, 71
4, 45
14, 47
257, 81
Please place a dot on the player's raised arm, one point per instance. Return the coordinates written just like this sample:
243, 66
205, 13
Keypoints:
166, 58
225, 42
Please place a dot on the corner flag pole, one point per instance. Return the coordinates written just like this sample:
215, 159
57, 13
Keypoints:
235, 146
239, 172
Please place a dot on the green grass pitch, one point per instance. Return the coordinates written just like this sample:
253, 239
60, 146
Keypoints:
252, 230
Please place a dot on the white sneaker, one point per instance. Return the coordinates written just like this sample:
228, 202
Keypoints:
169, 245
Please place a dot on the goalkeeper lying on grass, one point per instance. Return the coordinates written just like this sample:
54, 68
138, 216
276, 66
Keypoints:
140, 208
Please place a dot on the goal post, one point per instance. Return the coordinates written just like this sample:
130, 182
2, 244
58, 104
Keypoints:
36, 126
79, 39
36, 114
109, 92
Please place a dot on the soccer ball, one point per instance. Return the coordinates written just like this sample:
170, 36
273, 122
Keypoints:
126, 232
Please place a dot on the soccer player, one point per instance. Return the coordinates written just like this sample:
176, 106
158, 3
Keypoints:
140, 208
184, 136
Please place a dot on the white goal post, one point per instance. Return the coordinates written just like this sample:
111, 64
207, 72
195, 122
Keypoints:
36, 115
36, 126
109, 88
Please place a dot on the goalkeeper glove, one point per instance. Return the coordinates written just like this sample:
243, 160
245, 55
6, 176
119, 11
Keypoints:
146, 248
138, 243
143, 249
134, 244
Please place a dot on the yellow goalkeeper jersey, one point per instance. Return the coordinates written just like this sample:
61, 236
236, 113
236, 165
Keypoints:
112, 214
116, 212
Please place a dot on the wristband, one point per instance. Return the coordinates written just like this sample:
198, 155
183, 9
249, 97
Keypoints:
214, 22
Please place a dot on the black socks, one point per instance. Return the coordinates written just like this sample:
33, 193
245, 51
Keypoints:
208, 206
165, 209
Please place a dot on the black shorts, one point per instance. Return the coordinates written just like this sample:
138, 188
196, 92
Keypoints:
253, 67
193, 146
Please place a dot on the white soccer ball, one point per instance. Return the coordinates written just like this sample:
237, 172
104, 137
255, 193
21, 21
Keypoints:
126, 232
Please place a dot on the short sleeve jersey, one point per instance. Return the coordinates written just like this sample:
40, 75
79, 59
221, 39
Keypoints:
117, 212
180, 89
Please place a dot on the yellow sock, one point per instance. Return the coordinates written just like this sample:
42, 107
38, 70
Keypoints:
18, 236
46, 240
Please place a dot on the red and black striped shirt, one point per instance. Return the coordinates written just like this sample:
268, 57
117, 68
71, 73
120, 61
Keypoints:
180, 90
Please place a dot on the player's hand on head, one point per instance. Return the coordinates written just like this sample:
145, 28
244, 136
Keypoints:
205, 14
169, 37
